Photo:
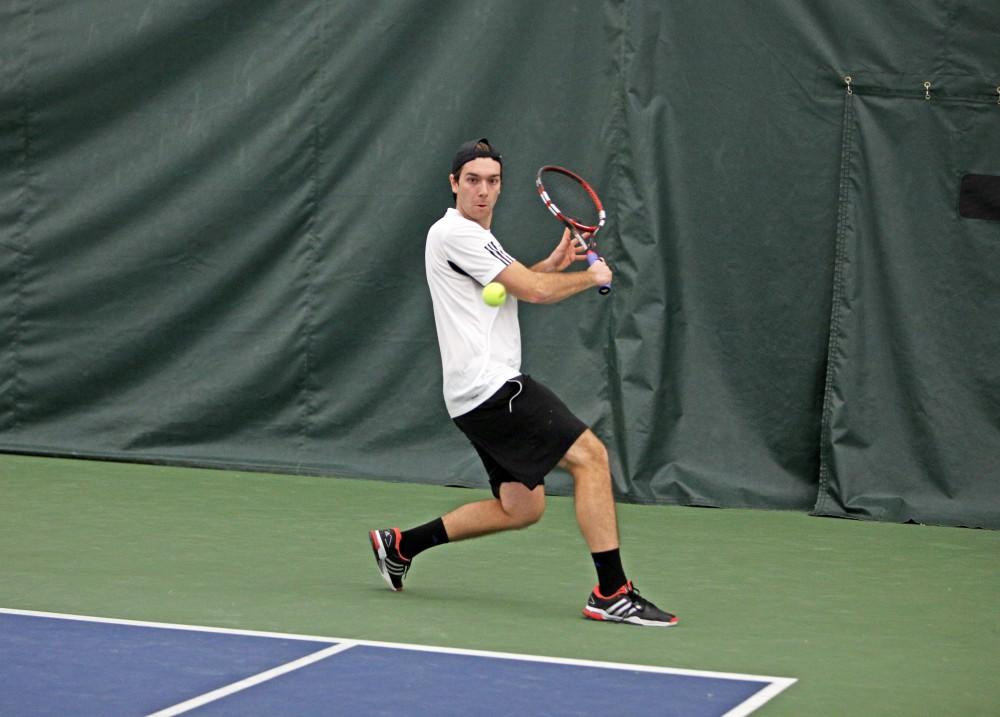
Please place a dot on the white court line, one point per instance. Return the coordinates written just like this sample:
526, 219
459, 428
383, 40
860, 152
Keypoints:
169, 625
759, 699
235, 687
775, 685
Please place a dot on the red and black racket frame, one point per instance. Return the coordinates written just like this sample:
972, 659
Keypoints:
577, 228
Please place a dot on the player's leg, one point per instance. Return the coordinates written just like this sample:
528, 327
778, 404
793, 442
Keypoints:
517, 507
614, 598
587, 461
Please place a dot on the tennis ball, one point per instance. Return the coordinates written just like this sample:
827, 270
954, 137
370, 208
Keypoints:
494, 293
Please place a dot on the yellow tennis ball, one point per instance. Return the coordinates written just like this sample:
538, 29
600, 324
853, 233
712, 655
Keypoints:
494, 293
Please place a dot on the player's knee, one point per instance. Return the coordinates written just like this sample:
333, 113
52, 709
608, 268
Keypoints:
587, 452
523, 507
599, 454
527, 514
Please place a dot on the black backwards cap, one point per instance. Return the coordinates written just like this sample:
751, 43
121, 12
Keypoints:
473, 149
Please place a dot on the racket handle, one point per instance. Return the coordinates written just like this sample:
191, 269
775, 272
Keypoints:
591, 258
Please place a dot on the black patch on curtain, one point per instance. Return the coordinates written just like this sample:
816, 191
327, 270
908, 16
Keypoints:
979, 197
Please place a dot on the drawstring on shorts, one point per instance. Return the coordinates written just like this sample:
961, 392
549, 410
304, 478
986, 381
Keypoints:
520, 387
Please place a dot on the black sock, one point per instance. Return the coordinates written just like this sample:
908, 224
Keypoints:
610, 574
414, 541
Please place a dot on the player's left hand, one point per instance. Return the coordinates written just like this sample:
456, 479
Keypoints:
566, 252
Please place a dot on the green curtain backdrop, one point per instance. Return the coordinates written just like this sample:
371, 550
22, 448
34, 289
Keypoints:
911, 426
212, 217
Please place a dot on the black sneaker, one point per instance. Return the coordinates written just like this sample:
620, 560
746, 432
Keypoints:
391, 564
626, 605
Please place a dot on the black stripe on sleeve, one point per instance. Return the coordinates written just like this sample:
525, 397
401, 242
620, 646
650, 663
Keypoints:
494, 249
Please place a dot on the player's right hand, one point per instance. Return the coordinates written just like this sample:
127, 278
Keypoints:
600, 273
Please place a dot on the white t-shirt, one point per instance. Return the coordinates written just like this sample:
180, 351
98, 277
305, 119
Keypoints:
480, 344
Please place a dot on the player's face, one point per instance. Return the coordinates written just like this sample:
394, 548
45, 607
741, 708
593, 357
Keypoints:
477, 189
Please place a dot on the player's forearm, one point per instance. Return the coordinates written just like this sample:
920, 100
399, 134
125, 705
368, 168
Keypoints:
544, 266
541, 287
549, 288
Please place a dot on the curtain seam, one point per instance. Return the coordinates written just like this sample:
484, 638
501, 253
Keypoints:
838, 289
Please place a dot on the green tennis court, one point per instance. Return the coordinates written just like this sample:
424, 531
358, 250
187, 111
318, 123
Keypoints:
229, 346
869, 618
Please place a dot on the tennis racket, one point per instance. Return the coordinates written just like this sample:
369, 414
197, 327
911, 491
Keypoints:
575, 203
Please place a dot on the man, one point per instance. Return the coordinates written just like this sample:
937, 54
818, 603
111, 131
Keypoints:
519, 428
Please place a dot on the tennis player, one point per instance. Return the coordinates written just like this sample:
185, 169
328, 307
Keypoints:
519, 428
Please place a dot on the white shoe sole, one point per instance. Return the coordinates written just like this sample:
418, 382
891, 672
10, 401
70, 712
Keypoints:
594, 613
379, 547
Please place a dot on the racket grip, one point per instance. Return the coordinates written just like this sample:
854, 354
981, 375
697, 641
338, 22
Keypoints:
591, 258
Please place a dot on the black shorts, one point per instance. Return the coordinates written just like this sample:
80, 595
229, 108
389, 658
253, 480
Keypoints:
521, 432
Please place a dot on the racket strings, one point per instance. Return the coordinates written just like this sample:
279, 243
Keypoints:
571, 198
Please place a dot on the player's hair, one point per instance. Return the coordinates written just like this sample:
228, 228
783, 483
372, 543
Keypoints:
473, 149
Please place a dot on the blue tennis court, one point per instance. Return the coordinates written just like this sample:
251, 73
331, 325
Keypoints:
62, 664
